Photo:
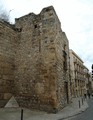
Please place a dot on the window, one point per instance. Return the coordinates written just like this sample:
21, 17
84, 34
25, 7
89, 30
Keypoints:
35, 26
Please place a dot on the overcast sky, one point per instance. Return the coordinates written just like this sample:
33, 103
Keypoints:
76, 18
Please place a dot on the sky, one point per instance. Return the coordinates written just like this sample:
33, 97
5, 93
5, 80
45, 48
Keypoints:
76, 17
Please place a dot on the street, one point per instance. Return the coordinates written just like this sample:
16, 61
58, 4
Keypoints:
72, 109
86, 115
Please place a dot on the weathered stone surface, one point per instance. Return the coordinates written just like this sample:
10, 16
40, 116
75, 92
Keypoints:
34, 61
8, 38
11, 103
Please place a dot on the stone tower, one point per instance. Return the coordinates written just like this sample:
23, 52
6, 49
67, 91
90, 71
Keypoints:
41, 62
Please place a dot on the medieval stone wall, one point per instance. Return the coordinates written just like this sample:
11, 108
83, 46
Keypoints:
62, 69
8, 39
39, 76
38, 61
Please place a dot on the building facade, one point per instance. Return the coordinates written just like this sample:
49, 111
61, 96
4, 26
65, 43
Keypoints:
89, 82
78, 82
34, 61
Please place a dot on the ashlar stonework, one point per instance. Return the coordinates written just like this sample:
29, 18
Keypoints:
34, 61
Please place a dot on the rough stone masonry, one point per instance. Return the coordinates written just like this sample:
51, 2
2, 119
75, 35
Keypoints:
34, 62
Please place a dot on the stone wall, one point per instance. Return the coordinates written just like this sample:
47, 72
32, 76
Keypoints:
8, 39
62, 68
34, 61
40, 81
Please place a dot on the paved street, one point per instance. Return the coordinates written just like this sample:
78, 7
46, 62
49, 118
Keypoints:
71, 109
86, 115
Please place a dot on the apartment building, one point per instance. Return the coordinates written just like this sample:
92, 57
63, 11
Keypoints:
77, 77
88, 79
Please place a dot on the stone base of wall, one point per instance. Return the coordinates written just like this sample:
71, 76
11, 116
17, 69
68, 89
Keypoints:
4, 97
32, 104
3, 103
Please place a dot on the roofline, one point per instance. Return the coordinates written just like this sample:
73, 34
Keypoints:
76, 55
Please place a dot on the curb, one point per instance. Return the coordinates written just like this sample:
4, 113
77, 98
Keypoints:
74, 114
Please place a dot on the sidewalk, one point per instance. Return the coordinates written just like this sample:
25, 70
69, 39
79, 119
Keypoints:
70, 110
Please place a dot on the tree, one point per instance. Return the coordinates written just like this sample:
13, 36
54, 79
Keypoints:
4, 15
